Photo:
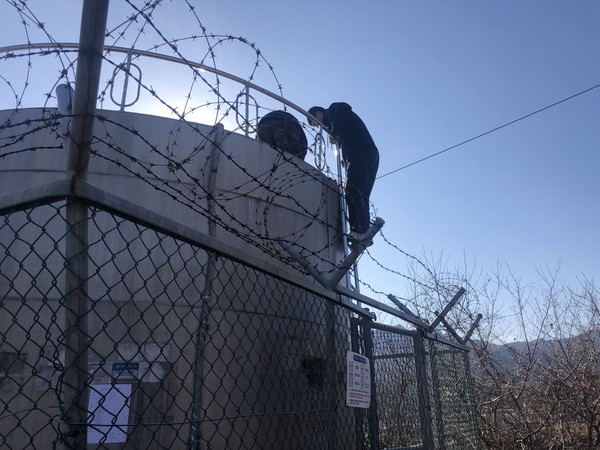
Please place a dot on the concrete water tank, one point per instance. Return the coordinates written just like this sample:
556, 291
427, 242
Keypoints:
204, 338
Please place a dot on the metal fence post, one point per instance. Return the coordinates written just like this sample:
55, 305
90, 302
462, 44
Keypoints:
358, 412
437, 398
474, 412
215, 137
373, 418
330, 382
423, 390
75, 380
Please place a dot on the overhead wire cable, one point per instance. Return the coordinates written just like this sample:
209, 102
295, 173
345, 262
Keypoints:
490, 131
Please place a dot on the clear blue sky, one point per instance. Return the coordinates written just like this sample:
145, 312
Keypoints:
424, 76
428, 75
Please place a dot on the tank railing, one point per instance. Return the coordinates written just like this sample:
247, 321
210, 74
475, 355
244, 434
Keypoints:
127, 69
246, 117
319, 150
248, 86
149, 54
246, 93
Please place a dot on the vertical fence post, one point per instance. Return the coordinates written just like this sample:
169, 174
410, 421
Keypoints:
373, 418
473, 412
437, 398
216, 138
358, 412
75, 383
423, 390
330, 382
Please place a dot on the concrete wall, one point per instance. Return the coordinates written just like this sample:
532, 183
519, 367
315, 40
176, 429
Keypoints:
250, 340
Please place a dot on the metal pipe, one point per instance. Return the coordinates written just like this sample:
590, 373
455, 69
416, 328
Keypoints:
423, 390
350, 259
217, 136
110, 48
246, 125
126, 82
75, 380
331, 394
448, 307
436, 398
359, 433
402, 307
373, 417
450, 329
87, 81
343, 206
472, 329
305, 264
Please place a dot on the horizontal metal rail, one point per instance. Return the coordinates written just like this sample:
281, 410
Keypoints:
109, 48
61, 189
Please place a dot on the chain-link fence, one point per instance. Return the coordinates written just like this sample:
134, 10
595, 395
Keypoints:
178, 346
422, 391
146, 297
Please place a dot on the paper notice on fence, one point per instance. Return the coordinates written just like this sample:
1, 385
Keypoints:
358, 391
108, 413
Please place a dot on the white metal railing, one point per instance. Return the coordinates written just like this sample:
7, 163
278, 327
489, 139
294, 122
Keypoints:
132, 51
246, 94
320, 144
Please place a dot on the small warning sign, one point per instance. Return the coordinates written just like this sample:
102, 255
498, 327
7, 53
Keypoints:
358, 390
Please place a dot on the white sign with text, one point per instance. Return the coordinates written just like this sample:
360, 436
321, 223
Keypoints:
358, 390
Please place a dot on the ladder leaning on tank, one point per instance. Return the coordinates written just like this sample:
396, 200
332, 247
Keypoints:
349, 261
357, 247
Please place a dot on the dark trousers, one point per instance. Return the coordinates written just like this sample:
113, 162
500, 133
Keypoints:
360, 179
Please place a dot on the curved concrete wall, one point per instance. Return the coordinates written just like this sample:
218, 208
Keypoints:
258, 334
168, 167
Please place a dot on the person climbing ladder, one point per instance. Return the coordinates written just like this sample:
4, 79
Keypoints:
361, 159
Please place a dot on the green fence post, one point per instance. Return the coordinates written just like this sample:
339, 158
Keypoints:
423, 390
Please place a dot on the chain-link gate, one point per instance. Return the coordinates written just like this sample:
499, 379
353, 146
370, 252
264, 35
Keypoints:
422, 393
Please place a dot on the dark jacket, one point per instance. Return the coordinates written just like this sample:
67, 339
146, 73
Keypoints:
350, 132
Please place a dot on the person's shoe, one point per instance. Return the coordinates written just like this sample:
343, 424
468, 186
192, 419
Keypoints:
355, 239
354, 236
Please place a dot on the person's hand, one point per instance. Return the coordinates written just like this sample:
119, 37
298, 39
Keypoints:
332, 140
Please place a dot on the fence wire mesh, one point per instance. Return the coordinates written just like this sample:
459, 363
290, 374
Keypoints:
186, 348
395, 380
422, 394
119, 332
454, 412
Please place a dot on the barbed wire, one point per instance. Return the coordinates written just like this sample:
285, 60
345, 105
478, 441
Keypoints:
183, 146
142, 24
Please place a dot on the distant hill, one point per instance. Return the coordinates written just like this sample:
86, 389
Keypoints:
539, 354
